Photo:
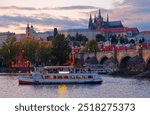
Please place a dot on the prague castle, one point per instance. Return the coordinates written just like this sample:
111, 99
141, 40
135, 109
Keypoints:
98, 23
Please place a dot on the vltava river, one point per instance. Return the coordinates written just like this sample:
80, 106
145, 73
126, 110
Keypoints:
112, 87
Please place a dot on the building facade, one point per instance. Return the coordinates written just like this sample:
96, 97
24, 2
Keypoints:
30, 32
144, 35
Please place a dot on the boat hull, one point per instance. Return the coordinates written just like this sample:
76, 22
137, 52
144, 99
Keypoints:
28, 81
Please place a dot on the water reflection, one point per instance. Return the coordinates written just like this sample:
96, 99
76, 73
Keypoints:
111, 87
62, 91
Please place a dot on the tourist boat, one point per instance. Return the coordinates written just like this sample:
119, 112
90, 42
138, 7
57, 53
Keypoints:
60, 77
98, 68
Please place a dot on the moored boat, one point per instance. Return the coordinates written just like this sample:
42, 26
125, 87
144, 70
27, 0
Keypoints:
98, 68
60, 76
52, 78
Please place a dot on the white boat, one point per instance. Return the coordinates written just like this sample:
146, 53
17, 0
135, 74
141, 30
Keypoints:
102, 70
62, 77
98, 68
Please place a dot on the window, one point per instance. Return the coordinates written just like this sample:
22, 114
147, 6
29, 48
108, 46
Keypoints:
90, 76
65, 77
78, 77
60, 77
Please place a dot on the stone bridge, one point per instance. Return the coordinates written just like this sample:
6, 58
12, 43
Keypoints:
125, 60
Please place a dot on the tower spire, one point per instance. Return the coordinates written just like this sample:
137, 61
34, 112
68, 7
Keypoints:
90, 17
107, 18
95, 19
90, 22
99, 12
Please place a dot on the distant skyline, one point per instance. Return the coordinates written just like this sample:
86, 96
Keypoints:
44, 15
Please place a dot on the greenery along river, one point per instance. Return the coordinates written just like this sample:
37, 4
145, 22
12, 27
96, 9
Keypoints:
112, 87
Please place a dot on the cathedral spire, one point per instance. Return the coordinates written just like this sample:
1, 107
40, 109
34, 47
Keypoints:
95, 19
107, 18
90, 22
90, 16
99, 13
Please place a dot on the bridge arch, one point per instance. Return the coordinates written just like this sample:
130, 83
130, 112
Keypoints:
103, 59
91, 60
123, 63
148, 64
136, 64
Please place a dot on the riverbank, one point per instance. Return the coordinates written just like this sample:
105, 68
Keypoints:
15, 69
145, 74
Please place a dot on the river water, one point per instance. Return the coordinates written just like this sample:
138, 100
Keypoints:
112, 87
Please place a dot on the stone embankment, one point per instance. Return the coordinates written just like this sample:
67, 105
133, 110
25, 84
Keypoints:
144, 74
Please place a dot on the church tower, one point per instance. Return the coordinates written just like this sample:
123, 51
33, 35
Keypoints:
107, 21
30, 31
90, 23
27, 31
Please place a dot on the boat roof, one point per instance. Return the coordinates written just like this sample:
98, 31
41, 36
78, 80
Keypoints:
58, 67
93, 65
70, 74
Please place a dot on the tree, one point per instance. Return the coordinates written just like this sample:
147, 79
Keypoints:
29, 48
92, 46
81, 38
143, 40
9, 50
71, 38
44, 52
60, 50
100, 37
132, 41
50, 38
114, 39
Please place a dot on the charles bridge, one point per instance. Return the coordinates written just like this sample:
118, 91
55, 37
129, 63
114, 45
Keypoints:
132, 60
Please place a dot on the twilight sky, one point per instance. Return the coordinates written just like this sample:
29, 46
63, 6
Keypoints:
44, 15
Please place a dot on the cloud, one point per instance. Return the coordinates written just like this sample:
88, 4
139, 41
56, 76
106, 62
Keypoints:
64, 22
75, 8
134, 13
48, 8
17, 8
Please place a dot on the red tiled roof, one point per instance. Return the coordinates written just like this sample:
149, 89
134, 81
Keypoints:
113, 30
133, 29
145, 32
118, 30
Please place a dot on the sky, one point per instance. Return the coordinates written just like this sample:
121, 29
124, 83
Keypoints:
44, 15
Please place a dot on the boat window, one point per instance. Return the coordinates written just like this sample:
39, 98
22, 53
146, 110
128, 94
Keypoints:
60, 77
55, 77
90, 76
72, 77
65, 77
78, 77
49, 77
46, 77
83, 76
